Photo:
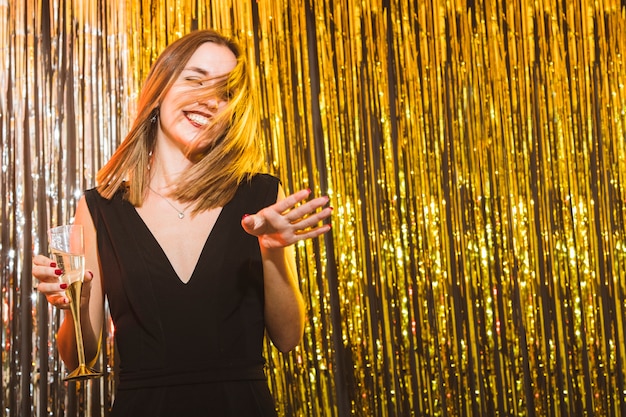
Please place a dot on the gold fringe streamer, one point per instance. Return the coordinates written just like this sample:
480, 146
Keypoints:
474, 153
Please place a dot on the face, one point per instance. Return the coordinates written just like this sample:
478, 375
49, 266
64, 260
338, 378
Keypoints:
182, 113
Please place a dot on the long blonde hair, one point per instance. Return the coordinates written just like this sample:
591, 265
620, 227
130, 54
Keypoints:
232, 154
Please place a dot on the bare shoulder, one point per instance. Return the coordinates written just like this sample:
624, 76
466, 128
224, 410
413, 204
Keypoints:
83, 216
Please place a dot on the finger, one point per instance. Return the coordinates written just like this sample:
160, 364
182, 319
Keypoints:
87, 277
312, 233
59, 301
51, 287
290, 201
54, 294
251, 223
306, 209
312, 220
41, 260
46, 273
49, 270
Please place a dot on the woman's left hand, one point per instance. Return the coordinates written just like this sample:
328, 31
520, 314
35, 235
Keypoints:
289, 220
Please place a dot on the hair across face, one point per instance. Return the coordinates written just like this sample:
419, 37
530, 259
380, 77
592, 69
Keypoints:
190, 109
172, 62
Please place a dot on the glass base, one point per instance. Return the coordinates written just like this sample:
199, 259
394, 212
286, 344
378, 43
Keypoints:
82, 372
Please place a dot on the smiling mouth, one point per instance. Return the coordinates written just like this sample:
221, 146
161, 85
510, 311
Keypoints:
197, 119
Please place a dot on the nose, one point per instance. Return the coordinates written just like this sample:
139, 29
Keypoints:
213, 104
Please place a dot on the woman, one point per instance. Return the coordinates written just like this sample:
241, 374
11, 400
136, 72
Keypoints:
190, 244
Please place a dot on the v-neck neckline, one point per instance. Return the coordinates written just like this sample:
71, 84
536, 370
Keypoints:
167, 258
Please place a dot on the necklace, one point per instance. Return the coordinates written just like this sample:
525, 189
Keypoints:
181, 214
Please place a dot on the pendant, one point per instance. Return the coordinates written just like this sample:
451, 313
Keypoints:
181, 215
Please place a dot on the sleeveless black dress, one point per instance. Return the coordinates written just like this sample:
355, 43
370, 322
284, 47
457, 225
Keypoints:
186, 349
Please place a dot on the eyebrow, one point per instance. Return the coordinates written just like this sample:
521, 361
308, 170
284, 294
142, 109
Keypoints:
198, 70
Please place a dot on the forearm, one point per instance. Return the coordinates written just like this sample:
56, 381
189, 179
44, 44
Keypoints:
278, 227
284, 306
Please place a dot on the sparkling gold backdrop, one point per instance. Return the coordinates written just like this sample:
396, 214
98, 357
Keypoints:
475, 155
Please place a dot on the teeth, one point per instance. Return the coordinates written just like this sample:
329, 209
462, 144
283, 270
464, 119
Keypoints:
197, 118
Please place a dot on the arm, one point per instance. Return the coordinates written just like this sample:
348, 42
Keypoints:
284, 306
278, 227
92, 298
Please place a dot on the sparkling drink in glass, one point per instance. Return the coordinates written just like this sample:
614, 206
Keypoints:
68, 250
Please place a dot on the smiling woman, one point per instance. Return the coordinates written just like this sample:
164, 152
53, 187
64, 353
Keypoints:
185, 228
193, 100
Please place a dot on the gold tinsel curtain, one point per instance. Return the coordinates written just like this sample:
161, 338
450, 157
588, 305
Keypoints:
475, 154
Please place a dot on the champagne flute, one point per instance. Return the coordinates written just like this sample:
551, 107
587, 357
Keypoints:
68, 250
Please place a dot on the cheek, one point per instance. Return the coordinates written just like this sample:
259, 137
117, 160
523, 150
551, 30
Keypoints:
178, 97
166, 115
171, 108
221, 104
165, 108
171, 121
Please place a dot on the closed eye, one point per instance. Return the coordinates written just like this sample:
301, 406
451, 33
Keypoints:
194, 80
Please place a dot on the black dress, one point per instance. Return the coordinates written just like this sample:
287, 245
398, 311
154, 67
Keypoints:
186, 349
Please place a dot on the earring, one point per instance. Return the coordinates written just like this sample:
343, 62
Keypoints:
155, 115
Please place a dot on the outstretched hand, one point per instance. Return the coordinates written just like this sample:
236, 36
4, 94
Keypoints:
289, 220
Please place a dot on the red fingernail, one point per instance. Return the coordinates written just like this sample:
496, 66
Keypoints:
58, 272
244, 216
53, 264
309, 190
90, 274
63, 286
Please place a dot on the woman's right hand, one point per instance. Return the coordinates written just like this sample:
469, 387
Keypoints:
46, 272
